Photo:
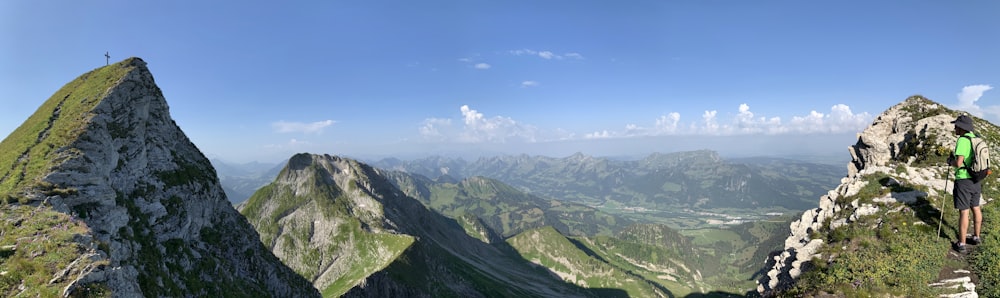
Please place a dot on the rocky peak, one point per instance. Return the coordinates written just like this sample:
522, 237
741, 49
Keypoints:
900, 132
905, 145
156, 213
344, 226
319, 213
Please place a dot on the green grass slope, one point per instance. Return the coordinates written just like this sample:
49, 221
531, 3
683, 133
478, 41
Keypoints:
548, 248
503, 208
35, 146
654, 252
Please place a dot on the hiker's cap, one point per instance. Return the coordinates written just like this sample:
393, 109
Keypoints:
963, 122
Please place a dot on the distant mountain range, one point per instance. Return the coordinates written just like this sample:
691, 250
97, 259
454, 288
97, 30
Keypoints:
240, 181
695, 179
703, 180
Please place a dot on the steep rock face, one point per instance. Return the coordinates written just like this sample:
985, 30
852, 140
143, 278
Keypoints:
150, 198
909, 140
349, 230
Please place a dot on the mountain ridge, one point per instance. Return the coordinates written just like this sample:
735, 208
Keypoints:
367, 204
883, 217
104, 151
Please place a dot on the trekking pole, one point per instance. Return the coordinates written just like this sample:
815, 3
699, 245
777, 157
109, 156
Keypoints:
946, 179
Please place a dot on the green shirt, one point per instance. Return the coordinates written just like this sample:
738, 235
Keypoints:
963, 147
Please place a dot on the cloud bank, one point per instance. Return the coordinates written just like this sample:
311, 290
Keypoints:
475, 127
840, 119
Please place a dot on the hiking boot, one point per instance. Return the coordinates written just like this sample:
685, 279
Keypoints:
974, 240
959, 247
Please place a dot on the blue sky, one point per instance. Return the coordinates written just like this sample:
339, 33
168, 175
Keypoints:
250, 80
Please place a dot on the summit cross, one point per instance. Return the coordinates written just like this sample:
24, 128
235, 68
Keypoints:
107, 58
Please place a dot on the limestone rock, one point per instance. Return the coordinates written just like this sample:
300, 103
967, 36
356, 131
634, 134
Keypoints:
899, 136
149, 194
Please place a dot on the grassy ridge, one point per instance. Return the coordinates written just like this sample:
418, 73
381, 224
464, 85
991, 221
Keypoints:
546, 247
369, 249
34, 146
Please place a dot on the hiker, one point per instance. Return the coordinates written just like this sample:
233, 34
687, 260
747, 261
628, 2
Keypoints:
965, 192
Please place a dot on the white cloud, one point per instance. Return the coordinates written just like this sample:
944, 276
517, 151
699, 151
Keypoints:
665, 124
970, 95
526, 84
711, 126
289, 127
842, 119
522, 52
598, 135
547, 55
745, 122
477, 128
435, 128
475, 61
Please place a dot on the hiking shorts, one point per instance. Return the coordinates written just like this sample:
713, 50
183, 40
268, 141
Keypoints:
966, 194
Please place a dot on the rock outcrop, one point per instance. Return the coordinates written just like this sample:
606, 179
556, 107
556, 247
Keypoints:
108, 153
908, 140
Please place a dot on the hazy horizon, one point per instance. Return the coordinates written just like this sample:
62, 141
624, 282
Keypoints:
824, 149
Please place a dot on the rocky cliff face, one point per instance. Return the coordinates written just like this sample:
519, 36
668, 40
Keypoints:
350, 231
105, 150
907, 144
